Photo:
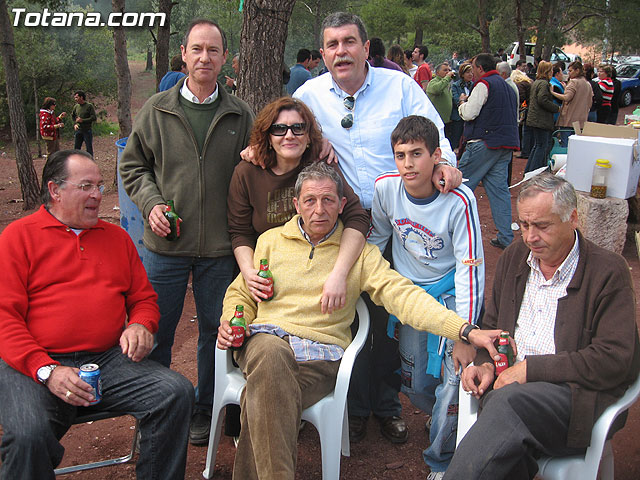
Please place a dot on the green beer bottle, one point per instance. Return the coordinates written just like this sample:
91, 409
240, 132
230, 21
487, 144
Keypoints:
174, 221
506, 353
239, 327
266, 273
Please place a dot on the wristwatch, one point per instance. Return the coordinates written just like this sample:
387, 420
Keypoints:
464, 336
44, 373
445, 162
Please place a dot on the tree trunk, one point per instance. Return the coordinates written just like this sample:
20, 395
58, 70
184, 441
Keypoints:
542, 29
162, 45
419, 36
123, 78
262, 40
520, 31
37, 115
26, 172
483, 25
149, 65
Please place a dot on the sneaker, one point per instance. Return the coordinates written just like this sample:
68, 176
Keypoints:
435, 476
199, 428
235, 442
427, 425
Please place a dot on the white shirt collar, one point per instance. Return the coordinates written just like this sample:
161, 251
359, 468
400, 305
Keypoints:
188, 94
367, 81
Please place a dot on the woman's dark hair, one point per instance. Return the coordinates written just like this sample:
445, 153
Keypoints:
48, 102
260, 135
376, 51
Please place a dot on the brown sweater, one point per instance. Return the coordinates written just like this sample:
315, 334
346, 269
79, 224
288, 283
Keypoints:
596, 337
578, 100
259, 200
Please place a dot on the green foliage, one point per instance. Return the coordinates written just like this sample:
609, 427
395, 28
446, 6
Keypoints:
387, 18
59, 60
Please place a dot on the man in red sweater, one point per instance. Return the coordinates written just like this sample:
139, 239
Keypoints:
75, 292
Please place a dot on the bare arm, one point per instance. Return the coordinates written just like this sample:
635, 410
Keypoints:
258, 286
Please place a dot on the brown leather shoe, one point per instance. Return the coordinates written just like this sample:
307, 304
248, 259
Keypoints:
357, 428
394, 429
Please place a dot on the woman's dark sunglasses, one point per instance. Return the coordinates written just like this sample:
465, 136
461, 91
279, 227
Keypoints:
280, 129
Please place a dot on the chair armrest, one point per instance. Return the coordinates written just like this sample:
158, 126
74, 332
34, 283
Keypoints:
467, 412
350, 354
604, 422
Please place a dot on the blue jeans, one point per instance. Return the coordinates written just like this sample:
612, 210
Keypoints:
34, 420
83, 135
479, 163
430, 394
210, 279
525, 145
542, 143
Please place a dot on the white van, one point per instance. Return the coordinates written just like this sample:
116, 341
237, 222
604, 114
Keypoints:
557, 55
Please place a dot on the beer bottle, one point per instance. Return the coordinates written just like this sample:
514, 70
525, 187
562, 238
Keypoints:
174, 221
266, 273
506, 353
238, 327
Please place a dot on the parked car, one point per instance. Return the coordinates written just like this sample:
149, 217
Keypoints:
629, 76
557, 55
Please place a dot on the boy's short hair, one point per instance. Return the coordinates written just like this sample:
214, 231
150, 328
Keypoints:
416, 128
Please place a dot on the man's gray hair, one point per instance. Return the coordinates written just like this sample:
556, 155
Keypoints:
503, 67
318, 171
340, 19
565, 200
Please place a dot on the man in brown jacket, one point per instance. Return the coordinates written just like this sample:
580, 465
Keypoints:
570, 306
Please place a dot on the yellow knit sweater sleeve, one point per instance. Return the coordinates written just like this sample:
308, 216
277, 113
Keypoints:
400, 297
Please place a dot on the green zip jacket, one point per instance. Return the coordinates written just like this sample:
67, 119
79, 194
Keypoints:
439, 92
162, 161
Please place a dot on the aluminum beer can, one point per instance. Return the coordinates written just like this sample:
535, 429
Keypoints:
90, 373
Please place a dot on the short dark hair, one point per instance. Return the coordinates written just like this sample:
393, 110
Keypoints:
486, 61
80, 93
340, 19
48, 102
416, 128
303, 55
556, 69
520, 62
408, 54
177, 63
318, 171
423, 49
315, 54
204, 21
55, 170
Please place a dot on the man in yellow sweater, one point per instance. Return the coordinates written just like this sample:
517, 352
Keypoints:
291, 359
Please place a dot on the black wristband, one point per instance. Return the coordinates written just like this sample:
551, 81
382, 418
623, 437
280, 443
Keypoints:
464, 336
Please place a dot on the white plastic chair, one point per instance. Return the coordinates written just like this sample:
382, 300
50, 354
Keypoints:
329, 415
575, 467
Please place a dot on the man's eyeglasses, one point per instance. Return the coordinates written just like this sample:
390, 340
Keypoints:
87, 187
281, 129
349, 103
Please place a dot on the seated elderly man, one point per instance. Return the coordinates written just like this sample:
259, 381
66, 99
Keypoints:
75, 292
291, 359
570, 306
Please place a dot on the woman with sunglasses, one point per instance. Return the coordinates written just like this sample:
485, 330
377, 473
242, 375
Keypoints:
286, 139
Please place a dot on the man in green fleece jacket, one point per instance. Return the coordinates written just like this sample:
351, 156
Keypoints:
439, 92
184, 147
292, 356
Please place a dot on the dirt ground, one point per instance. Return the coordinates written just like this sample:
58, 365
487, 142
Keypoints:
373, 458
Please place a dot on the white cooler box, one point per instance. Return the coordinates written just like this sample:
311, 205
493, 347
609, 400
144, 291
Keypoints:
583, 152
